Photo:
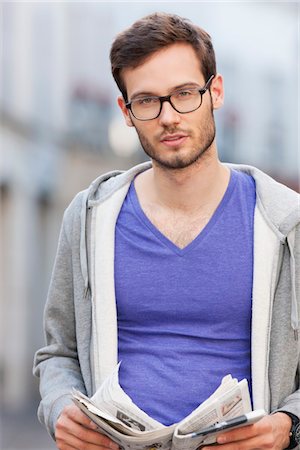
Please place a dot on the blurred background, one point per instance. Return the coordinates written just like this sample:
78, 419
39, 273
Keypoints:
60, 128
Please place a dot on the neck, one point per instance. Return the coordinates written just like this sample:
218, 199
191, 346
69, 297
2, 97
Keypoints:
185, 190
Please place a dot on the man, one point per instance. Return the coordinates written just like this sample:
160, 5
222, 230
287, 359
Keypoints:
183, 268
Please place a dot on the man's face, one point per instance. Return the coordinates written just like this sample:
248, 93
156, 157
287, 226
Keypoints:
173, 140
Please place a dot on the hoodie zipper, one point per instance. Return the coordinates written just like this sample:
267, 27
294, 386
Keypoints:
290, 240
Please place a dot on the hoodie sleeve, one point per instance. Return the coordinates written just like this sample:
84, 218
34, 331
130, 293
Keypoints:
291, 403
57, 363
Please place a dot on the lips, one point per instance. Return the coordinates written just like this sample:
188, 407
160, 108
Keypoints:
173, 140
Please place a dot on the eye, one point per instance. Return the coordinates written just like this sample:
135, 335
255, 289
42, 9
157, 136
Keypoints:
146, 101
186, 93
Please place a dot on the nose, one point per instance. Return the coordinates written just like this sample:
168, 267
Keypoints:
168, 115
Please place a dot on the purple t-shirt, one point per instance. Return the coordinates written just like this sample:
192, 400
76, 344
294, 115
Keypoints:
184, 315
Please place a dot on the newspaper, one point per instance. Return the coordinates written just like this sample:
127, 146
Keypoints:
121, 420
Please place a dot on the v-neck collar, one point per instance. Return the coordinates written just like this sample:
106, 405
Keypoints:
202, 234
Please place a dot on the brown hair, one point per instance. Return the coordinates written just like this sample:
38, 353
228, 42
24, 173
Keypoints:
151, 33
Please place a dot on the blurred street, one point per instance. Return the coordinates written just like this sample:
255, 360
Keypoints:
24, 432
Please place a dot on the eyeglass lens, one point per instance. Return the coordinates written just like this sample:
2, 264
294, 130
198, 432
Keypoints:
182, 101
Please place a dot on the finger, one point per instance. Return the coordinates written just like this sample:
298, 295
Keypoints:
264, 441
237, 434
73, 433
70, 442
63, 446
76, 415
262, 427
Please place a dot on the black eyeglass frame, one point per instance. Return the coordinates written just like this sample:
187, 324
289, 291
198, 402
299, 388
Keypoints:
167, 98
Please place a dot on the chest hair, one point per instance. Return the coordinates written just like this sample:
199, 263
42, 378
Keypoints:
180, 228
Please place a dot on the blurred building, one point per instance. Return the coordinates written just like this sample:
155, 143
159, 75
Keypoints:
55, 109
59, 130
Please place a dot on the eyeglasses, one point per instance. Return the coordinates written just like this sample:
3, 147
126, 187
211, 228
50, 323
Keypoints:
183, 101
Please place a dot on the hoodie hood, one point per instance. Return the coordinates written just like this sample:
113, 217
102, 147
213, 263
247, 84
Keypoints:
279, 204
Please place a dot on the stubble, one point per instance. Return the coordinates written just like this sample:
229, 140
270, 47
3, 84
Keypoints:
201, 140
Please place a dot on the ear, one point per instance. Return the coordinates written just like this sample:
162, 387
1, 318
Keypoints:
217, 91
125, 111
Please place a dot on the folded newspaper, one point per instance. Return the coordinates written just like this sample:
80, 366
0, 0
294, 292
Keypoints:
121, 420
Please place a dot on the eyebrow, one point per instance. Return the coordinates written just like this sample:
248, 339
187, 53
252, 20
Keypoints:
141, 94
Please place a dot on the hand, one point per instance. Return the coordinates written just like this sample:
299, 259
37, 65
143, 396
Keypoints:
75, 431
271, 433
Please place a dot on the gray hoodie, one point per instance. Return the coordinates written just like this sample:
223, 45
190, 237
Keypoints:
78, 354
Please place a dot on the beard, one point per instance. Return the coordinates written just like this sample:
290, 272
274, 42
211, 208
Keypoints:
201, 141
